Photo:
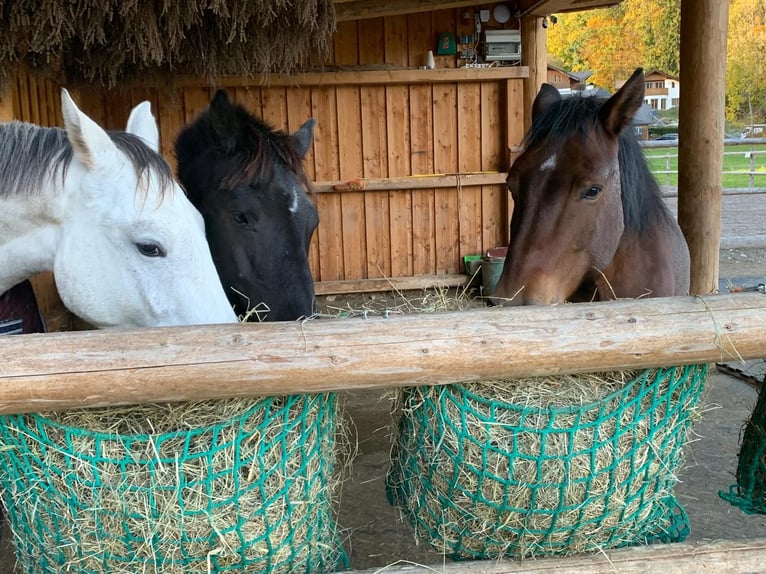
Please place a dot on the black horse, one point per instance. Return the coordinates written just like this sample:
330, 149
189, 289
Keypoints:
248, 182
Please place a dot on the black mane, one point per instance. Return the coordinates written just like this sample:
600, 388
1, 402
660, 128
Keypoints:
250, 150
578, 116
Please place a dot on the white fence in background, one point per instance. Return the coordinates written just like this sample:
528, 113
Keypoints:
743, 209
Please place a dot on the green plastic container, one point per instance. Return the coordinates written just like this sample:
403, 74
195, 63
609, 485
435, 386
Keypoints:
491, 269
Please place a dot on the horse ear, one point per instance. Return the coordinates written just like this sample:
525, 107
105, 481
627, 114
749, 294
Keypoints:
303, 137
617, 112
546, 97
141, 123
223, 122
88, 139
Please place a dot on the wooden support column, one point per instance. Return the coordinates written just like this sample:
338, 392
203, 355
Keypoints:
701, 127
516, 125
534, 54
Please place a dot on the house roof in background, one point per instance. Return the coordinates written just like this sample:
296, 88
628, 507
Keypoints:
660, 73
580, 77
643, 117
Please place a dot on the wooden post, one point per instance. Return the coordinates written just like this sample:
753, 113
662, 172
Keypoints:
534, 54
701, 128
689, 558
516, 125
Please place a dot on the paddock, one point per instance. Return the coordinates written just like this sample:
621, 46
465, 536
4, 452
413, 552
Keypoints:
402, 196
43, 372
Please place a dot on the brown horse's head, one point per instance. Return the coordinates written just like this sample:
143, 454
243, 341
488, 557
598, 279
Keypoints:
568, 214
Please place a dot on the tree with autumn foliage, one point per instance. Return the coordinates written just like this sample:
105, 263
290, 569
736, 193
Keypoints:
613, 42
745, 63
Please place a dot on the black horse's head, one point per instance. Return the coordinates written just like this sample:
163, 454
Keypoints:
248, 182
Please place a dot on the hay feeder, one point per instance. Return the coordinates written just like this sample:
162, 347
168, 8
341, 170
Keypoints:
545, 466
236, 485
749, 493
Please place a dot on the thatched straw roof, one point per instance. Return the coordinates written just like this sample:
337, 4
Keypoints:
114, 41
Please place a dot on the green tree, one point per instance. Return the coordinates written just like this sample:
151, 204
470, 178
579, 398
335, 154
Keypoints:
566, 39
614, 41
745, 64
613, 51
658, 23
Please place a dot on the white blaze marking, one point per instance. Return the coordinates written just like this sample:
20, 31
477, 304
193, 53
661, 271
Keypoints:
293, 201
549, 163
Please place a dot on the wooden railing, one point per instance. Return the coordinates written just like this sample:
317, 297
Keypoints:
757, 163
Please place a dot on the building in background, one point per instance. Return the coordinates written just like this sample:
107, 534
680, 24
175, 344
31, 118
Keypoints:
662, 90
571, 81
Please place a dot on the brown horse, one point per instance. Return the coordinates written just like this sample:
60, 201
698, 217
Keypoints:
588, 222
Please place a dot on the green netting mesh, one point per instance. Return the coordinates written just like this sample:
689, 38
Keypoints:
483, 478
749, 493
248, 492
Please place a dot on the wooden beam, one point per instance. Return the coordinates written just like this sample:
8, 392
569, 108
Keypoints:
701, 133
101, 368
391, 284
721, 556
362, 77
547, 7
429, 181
361, 9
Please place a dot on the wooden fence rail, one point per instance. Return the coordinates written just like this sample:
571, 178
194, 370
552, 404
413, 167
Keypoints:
722, 556
100, 368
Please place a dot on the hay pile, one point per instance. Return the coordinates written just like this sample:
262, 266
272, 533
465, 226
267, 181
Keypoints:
394, 303
545, 466
216, 486
114, 41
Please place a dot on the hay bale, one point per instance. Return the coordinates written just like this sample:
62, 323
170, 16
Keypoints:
111, 42
216, 486
545, 466
749, 493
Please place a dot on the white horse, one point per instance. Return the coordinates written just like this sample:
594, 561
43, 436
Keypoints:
103, 212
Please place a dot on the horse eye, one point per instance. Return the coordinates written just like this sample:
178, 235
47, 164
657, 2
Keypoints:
592, 192
150, 250
240, 217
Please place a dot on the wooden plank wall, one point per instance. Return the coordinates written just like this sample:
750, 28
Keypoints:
375, 128
38, 101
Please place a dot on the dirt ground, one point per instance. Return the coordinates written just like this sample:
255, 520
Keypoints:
375, 533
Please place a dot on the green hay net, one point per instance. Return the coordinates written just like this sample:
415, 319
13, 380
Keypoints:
248, 492
482, 478
749, 493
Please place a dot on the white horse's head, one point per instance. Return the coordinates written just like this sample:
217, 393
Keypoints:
132, 249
